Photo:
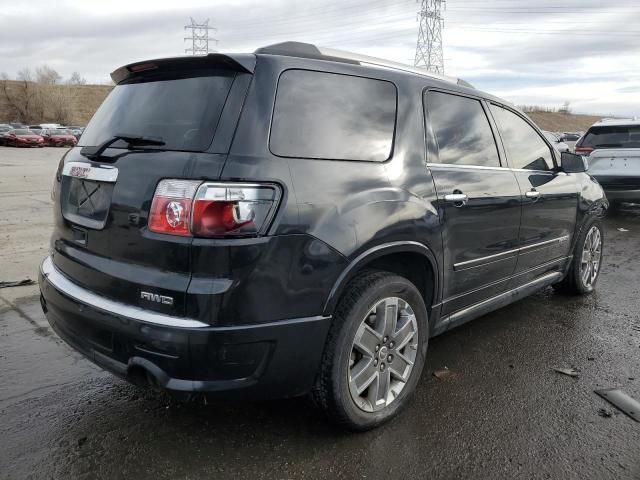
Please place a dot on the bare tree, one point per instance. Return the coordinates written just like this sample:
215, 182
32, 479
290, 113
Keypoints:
76, 79
566, 107
46, 75
41, 96
22, 96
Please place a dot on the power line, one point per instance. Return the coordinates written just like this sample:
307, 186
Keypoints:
199, 37
429, 46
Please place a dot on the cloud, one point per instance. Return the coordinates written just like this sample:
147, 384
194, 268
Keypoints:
527, 51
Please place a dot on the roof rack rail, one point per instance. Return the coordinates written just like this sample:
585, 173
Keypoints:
308, 50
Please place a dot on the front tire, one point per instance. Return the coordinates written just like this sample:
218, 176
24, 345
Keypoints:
375, 351
586, 263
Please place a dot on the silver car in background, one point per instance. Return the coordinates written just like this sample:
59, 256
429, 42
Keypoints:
612, 149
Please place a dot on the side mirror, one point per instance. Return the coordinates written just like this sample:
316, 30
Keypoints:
572, 163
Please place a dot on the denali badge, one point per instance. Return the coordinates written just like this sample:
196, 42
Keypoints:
154, 297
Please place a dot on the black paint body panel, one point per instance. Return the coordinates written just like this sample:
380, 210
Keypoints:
334, 218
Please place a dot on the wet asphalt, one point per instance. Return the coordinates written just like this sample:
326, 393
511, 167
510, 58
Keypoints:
501, 412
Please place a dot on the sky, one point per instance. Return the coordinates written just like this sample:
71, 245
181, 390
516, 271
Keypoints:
543, 52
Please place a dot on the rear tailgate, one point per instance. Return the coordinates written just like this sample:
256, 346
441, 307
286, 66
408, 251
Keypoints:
101, 239
616, 168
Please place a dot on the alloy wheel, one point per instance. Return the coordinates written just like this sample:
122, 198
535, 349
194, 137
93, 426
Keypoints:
383, 354
591, 257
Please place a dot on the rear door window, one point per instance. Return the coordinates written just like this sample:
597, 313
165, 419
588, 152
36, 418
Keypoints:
612, 137
462, 130
182, 112
332, 116
525, 147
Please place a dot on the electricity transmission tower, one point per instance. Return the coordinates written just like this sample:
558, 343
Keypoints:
429, 46
199, 37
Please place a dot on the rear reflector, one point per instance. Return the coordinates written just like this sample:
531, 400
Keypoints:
185, 208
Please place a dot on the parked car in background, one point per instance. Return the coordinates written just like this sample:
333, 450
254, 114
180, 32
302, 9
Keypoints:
612, 148
570, 136
58, 137
22, 137
76, 131
35, 128
17, 125
305, 225
554, 138
4, 133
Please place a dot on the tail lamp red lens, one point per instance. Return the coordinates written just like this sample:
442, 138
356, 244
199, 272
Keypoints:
586, 151
183, 207
171, 207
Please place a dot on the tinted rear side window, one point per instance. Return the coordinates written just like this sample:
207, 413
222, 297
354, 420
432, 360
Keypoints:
462, 130
331, 116
525, 147
612, 137
183, 112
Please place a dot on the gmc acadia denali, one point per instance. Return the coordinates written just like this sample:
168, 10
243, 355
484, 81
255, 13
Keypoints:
302, 221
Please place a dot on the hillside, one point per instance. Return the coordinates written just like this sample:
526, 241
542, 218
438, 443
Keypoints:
87, 98
563, 122
84, 101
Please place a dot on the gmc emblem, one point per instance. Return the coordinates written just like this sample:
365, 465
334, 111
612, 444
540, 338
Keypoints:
80, 172
154, 297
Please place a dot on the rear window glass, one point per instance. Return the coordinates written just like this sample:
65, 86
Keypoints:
183, 112
612, 137
331, 116
462, 130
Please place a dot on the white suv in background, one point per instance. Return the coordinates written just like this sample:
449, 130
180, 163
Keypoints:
612, 147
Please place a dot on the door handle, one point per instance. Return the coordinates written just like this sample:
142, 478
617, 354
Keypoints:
459, 199
533, 194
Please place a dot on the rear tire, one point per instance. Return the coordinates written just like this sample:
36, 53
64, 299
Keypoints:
586, 263
375, 351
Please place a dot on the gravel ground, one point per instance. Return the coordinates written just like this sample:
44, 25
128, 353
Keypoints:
501, 413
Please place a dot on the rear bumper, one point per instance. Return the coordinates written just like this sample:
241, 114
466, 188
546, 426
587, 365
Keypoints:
619, 187
622, 195
269, 360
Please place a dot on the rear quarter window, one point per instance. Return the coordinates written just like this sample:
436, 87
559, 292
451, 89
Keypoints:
333, 116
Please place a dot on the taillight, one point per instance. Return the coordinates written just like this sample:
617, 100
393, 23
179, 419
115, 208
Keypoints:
184, 207
232, 209
586, 151
171, 207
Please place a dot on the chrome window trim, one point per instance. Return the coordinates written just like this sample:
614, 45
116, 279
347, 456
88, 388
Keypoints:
477, 262
84, 296
482, 167
100, 173
473, 167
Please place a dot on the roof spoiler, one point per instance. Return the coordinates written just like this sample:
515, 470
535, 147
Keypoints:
239, 62
308, 50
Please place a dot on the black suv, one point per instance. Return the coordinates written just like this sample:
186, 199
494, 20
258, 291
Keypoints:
301, 220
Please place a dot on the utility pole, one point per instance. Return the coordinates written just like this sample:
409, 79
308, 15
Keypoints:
199, 37
429, 47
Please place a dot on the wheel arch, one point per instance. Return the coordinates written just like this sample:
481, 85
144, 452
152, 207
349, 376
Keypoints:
405, 258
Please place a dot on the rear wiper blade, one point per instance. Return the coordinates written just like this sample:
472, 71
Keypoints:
132, 140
